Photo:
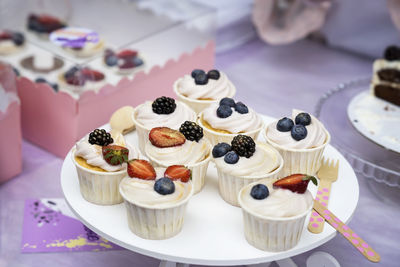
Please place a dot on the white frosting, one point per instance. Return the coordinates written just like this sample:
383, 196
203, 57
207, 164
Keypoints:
280, 203
139, 191
6, 98
264, 160
94, 156
8, 47
43, 60
235, 123
316, 134
214, 89
149, 119
190, 152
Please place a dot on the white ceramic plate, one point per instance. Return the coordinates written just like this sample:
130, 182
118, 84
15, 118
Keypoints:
213, 230
376, 119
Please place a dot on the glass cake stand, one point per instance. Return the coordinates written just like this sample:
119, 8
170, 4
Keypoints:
367, 158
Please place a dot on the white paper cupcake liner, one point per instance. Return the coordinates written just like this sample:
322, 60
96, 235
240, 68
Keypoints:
100, 188
230, 185
305, 161
156, 223
199, 105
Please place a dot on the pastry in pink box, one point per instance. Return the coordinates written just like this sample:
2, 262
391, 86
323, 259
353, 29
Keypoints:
124, 62
79, 79
162, 112
11, 42
10, 125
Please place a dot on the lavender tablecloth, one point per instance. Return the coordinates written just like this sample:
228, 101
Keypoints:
272, 80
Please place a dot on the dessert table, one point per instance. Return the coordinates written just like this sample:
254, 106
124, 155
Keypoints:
272, 80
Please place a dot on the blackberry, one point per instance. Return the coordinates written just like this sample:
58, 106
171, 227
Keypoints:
243, 145
164, 105
100, 137
191, 131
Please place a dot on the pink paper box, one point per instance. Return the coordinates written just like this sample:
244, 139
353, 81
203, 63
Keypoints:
55, 121
10, 133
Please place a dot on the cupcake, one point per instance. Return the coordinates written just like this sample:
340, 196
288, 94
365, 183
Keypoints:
124, 62
162, 112
79, 79
300, 140
274, 212
224, 120
155, 199
11, 42
200, 90
184, 147
100, 162
242, 163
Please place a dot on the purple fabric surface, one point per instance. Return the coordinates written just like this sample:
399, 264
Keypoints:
272, 80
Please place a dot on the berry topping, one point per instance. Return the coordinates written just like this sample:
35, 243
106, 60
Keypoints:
213, 74
92, 75
220, 150
142, 169
115, 155
111, 60
227, 101
224, 111
299, 132
201, 79
296, 183
231, 157
241, 108
191, 131
166, 137
178, 172
126, 54
284, 125
5, 35
100, 137
18, 38
164, 105
164, 186
44, 23
127, 64
137, 61
243, 145
197, 71
303, 119
16, 72
259, 191
392, 53
78, 80
71, 72
41, 80
55, 86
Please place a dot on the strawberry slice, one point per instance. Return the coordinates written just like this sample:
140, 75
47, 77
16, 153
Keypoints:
166, 137
125, 54
178, 172
115, 155
141, 169
47, 19
5, 35
92, 75
296, 183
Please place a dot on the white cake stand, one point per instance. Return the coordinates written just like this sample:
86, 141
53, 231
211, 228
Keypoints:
213, 230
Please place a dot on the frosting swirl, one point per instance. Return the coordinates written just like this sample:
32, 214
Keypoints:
144, 115
141, 191
280, 203
214, 89
190, 152
264, 160
235, 123
94, 156
316, 134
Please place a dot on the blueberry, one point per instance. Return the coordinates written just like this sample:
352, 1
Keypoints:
41, 80
303, 119
231, 157
55, 86
164, 186
213, 74
224, 111
220, 150
111, 60
259, 191
71, 72
299, 132
284, 125
195, 72
16, 72
201, 79
241, 108
18, 38
227, 101
137, 61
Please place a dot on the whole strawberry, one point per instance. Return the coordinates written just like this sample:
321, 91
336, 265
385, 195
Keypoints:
115, 155
296, 183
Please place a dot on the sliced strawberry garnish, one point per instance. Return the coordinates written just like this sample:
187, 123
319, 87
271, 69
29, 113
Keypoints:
178, 172
47, 19
115, 155
77, 80
92, 75
125, 54
141, 169
5, 35
127, 64
296, 183
166, 137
